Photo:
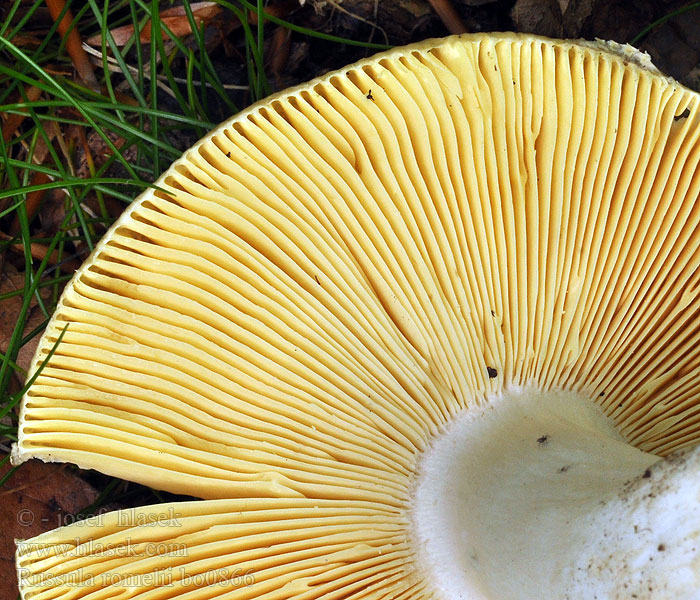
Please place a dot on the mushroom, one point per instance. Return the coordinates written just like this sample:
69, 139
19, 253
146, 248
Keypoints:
428, 326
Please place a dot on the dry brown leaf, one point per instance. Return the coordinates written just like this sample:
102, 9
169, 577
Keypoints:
204, 12
174, 19
554, 18
32, 200
13, 121
10, 281
37, 497
279, 51
39, 252
39, 155
26, 40
93, 149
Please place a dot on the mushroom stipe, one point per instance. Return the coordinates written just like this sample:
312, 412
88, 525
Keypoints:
425, 327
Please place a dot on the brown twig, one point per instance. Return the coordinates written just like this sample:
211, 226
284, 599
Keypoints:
447, 13
74, 44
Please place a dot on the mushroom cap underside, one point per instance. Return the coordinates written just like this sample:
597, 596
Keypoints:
317, 287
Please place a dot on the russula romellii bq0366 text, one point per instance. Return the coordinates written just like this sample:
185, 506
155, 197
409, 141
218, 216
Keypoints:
426, 327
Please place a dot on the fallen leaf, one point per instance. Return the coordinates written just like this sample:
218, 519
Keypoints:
279, 51
174, 18
26, 40
554, 18
10, 309
36, 498
13, 121
39, 154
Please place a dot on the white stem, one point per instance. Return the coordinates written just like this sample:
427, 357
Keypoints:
530, 497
